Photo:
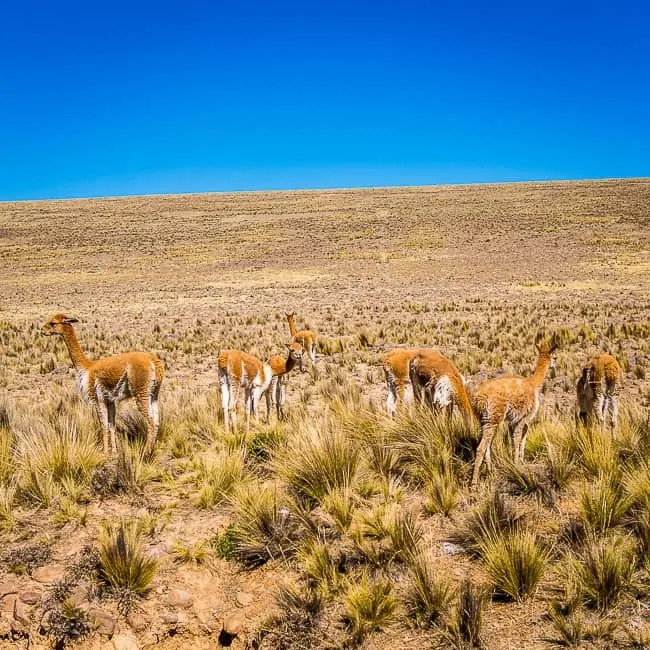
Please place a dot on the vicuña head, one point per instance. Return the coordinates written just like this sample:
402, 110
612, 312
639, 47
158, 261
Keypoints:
104, 382
56, 324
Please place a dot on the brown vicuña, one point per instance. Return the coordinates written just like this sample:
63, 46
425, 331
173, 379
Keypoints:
238, 370
306, 338
398, 381
437, 382
280, 369
104, 382
598, 389
513, 399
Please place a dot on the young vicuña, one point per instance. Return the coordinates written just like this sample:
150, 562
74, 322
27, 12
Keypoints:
306, 338
398, 381
280, 368
437, 381
513, 399
598, 389
238, 370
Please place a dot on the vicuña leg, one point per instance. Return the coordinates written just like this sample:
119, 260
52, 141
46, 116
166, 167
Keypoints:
487, 434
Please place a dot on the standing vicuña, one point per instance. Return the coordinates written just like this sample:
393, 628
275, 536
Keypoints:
598, 389
240, 370
306, 338
436, 380
280, 368
513, 399
104, 382
398, 381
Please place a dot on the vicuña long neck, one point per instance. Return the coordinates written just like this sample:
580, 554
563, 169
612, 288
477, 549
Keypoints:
543, 364
292, 325
79, 359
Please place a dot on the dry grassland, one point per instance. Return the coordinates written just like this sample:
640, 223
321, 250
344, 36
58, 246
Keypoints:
337, 528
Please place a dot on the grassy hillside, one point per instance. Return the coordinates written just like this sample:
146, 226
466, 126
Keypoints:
337, 527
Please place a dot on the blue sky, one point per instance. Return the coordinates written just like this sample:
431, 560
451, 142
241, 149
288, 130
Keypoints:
154, 97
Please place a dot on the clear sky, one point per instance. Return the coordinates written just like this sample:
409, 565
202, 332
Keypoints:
116, 97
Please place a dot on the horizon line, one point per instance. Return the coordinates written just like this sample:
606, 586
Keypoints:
327, 189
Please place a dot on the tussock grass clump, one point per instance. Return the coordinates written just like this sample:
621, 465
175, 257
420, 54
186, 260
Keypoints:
317, 461
604, 504
525, 480
123, 564
494, 516
196, 553
515, 562
603, 571
322, 570
297, 626
369, 607
428, 596
464, 629
386, 533
595, 450
442, 493
341, 505
7, 463
266, 525
218, 477
51, 455
7, 500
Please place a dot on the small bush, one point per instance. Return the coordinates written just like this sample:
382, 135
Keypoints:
341, 505
27, 558
225, 545
67, 623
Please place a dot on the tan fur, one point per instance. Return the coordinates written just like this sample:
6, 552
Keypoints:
597, 391
398, 381
513, 399
104, 382
306, 338
280, 368
436, 381
240, 370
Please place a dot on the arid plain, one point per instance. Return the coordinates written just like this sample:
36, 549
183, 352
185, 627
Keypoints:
337, 527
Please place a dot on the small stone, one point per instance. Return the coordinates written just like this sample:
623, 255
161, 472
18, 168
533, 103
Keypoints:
169, 618
447, 548
180, 598
136, 621
20, 613
244, 599
233, 624
125, 642
7, 588
5, 626
17, 628
104, 623
78, 596
31, 597
48, 574
8, 604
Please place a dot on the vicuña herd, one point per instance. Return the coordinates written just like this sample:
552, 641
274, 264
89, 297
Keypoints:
422, 375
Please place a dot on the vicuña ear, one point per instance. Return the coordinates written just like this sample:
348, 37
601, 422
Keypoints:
69, 321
